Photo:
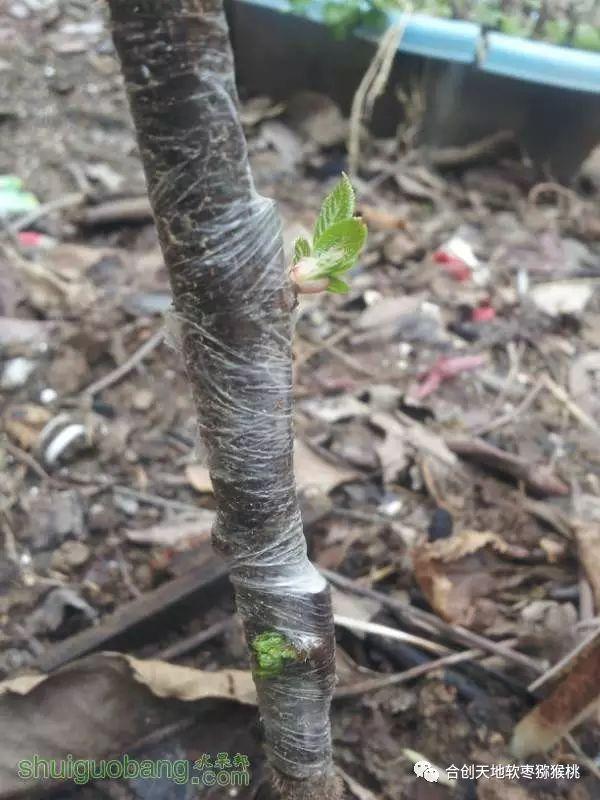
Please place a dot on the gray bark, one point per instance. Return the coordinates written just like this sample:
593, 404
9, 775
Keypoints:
222, 246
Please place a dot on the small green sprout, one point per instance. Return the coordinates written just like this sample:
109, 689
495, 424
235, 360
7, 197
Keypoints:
338, 239
271, 651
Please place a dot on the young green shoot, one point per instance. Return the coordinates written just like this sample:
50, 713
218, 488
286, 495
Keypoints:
338, 239
271, 651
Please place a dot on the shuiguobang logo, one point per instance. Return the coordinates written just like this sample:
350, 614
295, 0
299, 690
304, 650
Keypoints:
225, 770
83, 770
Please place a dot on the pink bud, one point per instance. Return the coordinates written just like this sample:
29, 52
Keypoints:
302, 275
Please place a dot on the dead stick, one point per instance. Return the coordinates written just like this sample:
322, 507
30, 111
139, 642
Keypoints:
122, 370
429, 621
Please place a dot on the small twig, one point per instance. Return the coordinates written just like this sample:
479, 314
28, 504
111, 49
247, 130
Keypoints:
542, 18
336, 338
10, 542
43, 210
357, 789
515, 355
351, 362
128, 209
429, 621
36, 271
126, 574
545, 381
560, 665
122, 370
430, 483
371, 86
571, 201
469, 153
562, 396
572, 698
586, 599
594, 622
537, 477
373, 684
34, 466
153, 499
587, 762
359, 516
510, 416
549, 514
389, 633
184, 646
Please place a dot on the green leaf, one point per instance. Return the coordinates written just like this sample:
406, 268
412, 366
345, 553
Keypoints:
587, 37
514, 25
302, 249
556, 30
337, 286
338, 247
342, 16
337, 206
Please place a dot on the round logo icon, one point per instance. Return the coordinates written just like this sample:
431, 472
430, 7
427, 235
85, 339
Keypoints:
427, 771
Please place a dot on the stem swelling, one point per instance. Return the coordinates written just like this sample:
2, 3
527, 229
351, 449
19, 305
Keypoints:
222, 246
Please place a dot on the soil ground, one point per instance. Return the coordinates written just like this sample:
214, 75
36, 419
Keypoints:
447, 418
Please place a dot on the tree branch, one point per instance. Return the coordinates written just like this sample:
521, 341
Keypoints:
222, 245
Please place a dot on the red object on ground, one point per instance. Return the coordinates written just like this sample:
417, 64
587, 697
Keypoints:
454, 266
31, 238
444, 369
483, 314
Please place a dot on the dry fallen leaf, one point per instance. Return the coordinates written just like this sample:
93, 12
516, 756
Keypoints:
422, 440
180, 534
102, 706
392, 456
312, 470
388, 311
382, 219
317, 117
457, 575
185, 683
199, 478
23, 423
